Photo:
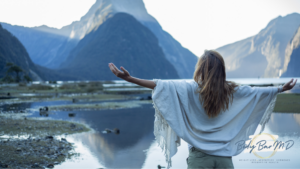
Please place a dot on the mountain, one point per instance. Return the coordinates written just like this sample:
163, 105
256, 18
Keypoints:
56, 44
292, 57
41, 46
104, 9
182, 59
261, 55
124, 41
12, 50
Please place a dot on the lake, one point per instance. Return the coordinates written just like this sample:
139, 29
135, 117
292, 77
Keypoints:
135, 146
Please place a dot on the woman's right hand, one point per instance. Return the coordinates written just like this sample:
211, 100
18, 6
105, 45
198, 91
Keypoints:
123, 75
126, 76
289, 85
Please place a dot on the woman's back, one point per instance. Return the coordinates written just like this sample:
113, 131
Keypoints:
177, 102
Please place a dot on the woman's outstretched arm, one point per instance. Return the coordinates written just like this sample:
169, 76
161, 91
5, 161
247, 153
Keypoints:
126, 76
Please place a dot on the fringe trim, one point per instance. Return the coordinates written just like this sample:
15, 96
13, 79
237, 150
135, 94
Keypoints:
161, 128
160, 132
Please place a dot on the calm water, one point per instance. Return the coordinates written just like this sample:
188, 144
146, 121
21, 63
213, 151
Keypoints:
135, 146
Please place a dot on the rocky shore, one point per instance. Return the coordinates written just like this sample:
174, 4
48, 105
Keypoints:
34, 143
37, 152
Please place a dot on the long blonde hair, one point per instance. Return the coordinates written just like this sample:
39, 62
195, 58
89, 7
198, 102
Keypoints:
215, 92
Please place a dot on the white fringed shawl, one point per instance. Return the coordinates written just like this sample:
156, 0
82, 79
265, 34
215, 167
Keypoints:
179, 114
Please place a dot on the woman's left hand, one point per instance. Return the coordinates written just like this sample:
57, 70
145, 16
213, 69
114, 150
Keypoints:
289, 85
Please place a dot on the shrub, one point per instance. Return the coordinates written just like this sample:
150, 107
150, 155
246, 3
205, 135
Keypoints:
40, 87
22, 84
67, 86
82, 84
95, 84
92, 89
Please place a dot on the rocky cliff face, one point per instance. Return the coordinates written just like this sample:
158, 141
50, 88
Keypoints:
292, 57
104, 9
11, 50
263, 54
41, 46
121, 40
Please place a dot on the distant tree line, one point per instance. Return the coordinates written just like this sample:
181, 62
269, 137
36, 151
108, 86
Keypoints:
14, 74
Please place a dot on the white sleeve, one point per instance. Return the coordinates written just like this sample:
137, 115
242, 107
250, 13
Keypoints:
165, 103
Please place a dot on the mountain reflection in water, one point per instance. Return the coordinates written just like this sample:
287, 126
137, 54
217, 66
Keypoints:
283, 124
125, 149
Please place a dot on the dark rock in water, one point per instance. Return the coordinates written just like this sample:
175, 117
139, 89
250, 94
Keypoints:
50, 165
149, 98
35, 166
72, 114
49, 137
72, 125
142, 98
63, 139
3, 165
8, 94
108, 130
160, 167
74, 100
44, 109
116, 131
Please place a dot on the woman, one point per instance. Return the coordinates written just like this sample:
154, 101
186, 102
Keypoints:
211, 114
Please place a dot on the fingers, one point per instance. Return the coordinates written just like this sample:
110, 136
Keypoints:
116, 68
113, 68
124, 70
290, 81
116, 71
293, 84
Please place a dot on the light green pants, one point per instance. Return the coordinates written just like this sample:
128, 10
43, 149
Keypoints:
200, 160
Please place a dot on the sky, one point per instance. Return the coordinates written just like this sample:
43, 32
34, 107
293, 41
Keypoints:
196, 24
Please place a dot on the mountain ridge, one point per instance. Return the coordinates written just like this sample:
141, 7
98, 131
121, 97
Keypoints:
264, 51
12, 51
292, 57
124, 41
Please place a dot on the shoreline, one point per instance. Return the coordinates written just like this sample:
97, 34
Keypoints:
33, 143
